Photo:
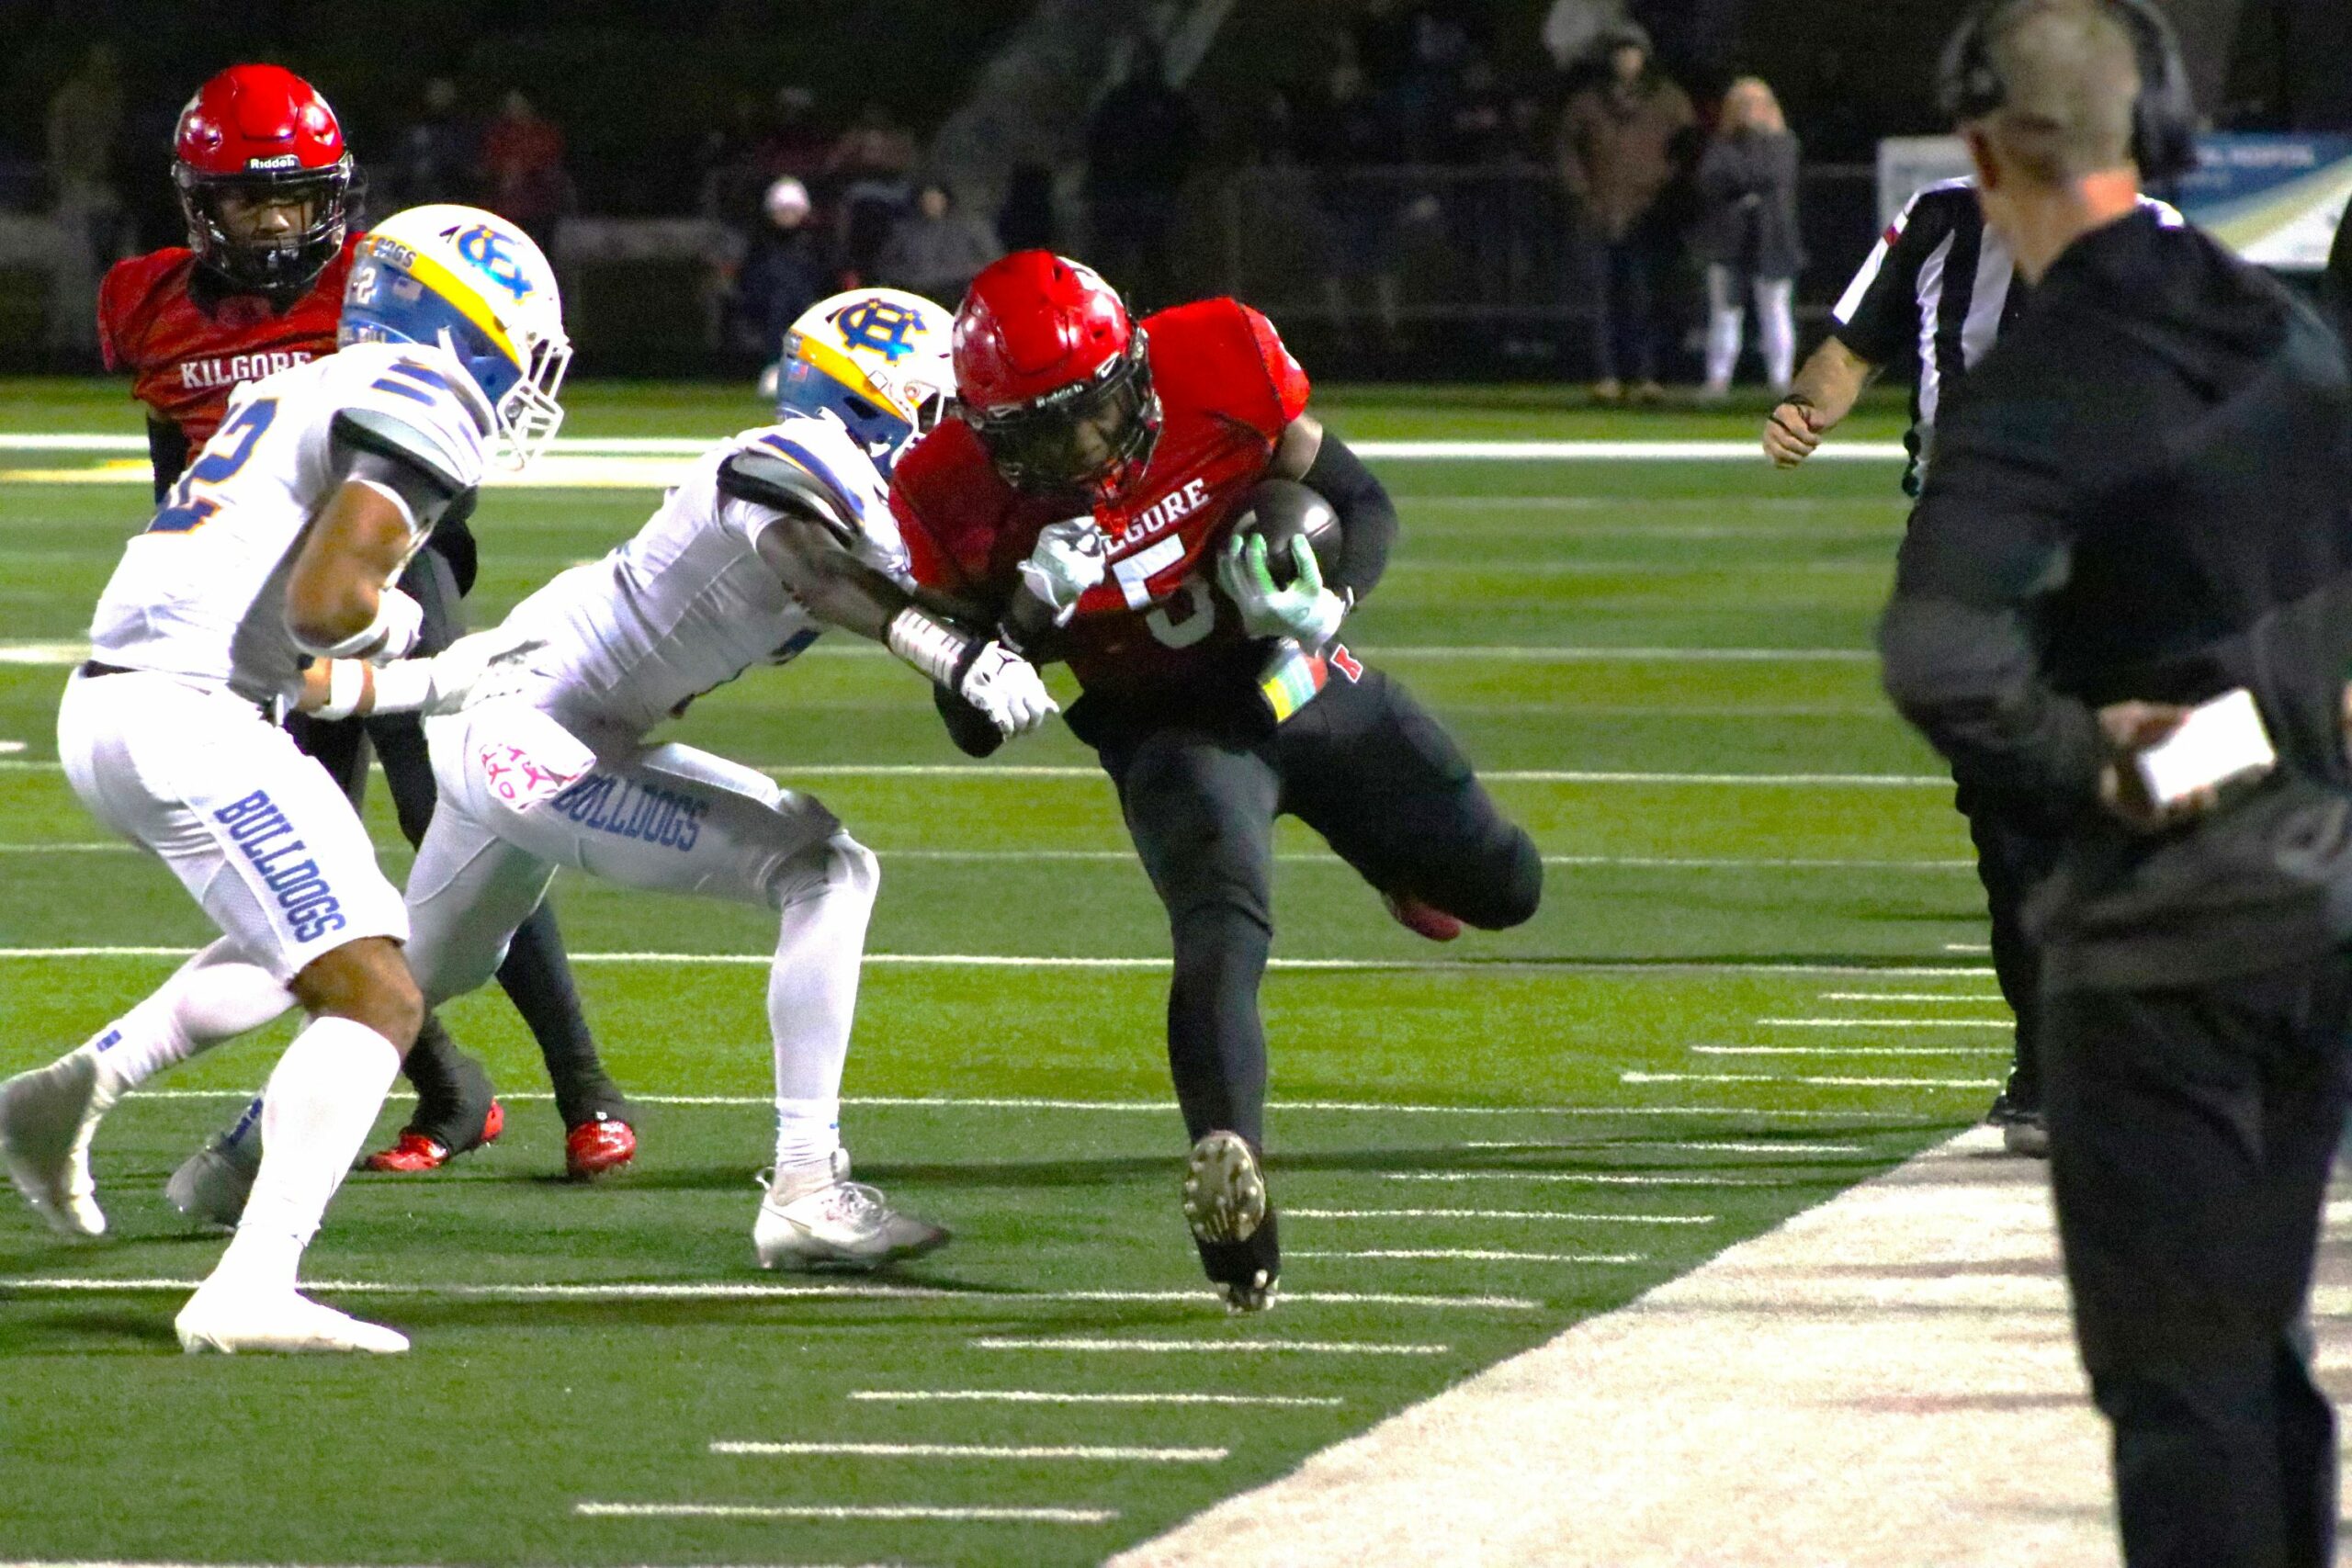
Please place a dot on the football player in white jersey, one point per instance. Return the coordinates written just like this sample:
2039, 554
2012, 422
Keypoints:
278, 547
770, 536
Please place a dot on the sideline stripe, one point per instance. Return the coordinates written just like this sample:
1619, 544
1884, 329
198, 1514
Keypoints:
1040, 1397
1167, 1107
1404, 451
1497, 1214
1819, 1082
842, 1511
980, 1450
1002, 960
1477, 1255
1213, 1347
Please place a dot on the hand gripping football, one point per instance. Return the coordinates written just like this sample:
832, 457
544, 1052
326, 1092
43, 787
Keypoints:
1281, 509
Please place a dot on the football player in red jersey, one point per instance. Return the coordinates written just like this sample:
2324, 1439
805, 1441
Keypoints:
266, 183
1087, 497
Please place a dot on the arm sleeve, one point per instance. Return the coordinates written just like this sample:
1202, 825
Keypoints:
1367, 517
1878, 316
421, 490
1988, 541
167, 451
775, 483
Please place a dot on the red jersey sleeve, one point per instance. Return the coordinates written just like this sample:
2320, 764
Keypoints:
1285, 379
951, 508
119, 296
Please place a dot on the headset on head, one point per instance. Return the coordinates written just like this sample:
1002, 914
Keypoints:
2164, 116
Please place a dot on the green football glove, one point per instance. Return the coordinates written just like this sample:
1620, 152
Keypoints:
1306, 610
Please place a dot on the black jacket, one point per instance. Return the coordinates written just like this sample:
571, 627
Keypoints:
2144, 491
1748, 204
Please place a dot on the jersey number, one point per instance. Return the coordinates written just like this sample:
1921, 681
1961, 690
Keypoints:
223, 456
1198, 619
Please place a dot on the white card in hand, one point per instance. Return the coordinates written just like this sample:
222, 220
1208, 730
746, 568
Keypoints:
2219, 742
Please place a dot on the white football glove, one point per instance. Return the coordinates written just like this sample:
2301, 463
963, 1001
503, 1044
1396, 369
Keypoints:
1305, 610
1069, 559
469, 672
400, 620
1007, 689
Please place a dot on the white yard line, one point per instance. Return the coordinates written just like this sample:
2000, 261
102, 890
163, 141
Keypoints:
1008, 960
1083, 1346
1585, 1177
1045, 1396
1103, 1452
113, 444
1167, 1107
1888, 1022
1955, 999
839, 1511
1815, 1081
1888, 1379
1472, 1255
1497, 1214
1992, 1045
731, 1289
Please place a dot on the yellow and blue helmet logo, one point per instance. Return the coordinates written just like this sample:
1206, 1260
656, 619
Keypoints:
876, 359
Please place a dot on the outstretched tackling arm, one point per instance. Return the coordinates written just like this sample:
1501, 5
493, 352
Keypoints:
810, 545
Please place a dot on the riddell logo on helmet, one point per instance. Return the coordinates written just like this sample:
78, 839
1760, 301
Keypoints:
278, 161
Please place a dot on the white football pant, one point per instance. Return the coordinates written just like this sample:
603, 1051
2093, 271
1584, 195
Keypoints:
521, 794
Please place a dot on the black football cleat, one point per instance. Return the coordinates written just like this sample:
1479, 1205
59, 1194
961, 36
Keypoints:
1232, 1221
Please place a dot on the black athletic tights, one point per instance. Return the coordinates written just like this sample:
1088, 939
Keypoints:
1363, 765
536, 977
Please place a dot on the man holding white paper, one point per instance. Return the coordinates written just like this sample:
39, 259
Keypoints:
2127, 593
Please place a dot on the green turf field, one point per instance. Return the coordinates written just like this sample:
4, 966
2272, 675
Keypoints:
1664, 667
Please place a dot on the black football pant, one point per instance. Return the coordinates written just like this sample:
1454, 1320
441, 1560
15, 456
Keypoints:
2190, 1136
2016, 850
1363, 765
536, 977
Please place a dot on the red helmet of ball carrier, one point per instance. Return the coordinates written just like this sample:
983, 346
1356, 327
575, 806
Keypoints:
1053, 376
264, 178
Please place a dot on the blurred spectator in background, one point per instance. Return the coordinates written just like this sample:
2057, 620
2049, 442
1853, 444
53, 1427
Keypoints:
1747, 231
1615, 149
434, 159
1345, 131
937, 248
870, 166
795, 142
1026, 221
522, 169
84, 117
782, 273
1140, 143
1572, 33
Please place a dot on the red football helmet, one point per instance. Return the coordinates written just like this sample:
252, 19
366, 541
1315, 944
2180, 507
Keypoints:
1053, 376
263, 177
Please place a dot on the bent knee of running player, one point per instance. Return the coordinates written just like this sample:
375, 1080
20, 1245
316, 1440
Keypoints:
1365, 765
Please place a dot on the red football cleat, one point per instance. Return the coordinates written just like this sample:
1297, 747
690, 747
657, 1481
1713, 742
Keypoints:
1422, 919
415, 1151
593, 1148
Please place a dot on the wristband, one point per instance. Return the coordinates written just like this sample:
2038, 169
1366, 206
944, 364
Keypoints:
346, 689
404, 686
940, 652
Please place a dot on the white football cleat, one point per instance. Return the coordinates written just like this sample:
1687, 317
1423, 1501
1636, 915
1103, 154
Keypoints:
814, 1216
47, 1119
213, 1184
230, 1316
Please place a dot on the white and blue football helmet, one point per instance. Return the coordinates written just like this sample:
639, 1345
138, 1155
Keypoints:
878, 360
477, 285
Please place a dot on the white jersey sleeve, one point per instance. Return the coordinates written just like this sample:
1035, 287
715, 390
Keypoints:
688, 604
201, 593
